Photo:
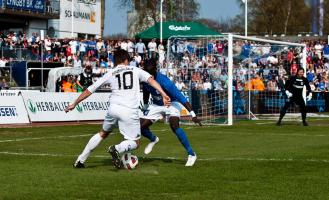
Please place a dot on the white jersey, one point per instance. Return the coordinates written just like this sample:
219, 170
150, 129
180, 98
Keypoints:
125, 85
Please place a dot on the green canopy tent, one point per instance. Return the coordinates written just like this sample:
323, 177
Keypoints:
171, 28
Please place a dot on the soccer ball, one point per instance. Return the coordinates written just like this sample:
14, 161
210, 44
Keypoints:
129, 161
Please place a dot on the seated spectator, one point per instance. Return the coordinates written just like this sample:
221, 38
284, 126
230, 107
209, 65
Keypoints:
68, 84
4, 85
272, 85
257, 83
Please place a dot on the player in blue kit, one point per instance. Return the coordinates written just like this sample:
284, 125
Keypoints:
155, 111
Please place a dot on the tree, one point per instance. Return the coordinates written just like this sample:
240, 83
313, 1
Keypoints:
148, 11
278, 16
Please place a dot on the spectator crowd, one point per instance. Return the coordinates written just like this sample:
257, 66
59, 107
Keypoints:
199, 64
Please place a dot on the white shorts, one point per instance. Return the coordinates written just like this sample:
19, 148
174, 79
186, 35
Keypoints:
156, 112
126, 118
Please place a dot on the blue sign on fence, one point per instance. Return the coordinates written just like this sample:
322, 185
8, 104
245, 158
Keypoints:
31, 5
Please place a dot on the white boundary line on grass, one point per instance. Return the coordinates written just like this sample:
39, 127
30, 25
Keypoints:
177, 159
161, 130
61, 136
43, 138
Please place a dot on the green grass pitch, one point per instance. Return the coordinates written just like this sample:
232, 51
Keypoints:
250, 160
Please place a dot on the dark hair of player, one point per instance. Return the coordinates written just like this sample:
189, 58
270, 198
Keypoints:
150, 65
120, 56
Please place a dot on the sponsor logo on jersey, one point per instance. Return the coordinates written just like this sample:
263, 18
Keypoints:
298, 86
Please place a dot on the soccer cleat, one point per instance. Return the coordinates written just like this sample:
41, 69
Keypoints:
115, 157
149, 147
78, 164
278, 123
191, 160
305, 123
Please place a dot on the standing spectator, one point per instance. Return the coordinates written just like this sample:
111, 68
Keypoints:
318, 49
130, 47
85, 79
180, 85
124, 45
73, 46
152, 47
82, 50
162, 52
138, 59
220, 47
293, 68
207, 85
48, 44
99, 46
326, 51
140, 49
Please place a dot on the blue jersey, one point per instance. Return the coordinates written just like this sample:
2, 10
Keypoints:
168, 86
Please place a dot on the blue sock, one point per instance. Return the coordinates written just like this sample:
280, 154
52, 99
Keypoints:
183, 139
148, 134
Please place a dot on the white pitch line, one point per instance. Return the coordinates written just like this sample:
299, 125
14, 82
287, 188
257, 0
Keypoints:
44, 138
59, 137
312, 160
161, 130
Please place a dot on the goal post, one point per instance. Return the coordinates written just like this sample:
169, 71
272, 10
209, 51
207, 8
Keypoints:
223, 60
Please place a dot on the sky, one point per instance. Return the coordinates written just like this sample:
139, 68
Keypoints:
116, 18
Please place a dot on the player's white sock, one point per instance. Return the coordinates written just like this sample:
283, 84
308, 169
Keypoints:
91, 145
126, 145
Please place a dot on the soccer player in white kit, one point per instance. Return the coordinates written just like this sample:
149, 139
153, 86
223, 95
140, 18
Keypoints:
123, 110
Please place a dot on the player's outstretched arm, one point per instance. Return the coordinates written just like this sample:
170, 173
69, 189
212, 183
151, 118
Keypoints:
91, 89
82, 97
156, 85
195, 119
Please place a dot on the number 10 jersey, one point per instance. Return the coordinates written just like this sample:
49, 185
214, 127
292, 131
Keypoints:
125, 85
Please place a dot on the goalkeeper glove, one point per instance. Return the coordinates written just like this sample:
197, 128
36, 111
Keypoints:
289, 94
309, 97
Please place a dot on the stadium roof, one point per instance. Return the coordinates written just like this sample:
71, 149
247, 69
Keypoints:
172, 28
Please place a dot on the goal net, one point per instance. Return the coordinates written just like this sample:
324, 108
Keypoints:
229, 77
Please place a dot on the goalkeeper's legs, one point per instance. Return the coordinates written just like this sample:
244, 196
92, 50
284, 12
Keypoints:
303, 110
174, 125
146, 132
283, 111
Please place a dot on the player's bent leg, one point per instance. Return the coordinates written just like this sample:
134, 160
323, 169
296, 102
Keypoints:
123, 147
283, 112
127, 145
91, 145
146, 132
145, 124
174, 125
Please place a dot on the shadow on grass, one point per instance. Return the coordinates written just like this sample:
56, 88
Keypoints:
141, 160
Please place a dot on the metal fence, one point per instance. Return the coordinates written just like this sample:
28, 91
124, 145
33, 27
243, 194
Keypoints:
19, 54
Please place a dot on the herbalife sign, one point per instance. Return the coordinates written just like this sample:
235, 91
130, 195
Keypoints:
51, 106
179, 28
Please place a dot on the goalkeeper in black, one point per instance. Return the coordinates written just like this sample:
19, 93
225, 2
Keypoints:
294, 91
